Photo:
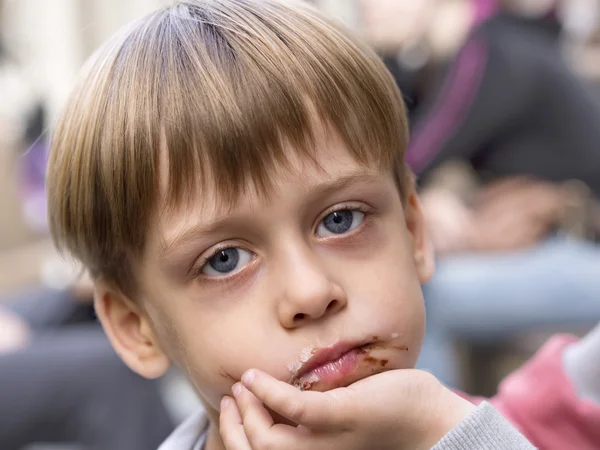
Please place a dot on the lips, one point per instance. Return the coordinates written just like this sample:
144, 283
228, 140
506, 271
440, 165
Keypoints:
330, 367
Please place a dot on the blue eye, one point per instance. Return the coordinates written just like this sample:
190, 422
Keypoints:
339, 222
226, 261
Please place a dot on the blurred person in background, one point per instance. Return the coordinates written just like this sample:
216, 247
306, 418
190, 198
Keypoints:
490, 90
62, 383
582, 38
60, 380
544, 15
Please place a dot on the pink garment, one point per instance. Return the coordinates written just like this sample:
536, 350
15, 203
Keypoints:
484, 9
540, 400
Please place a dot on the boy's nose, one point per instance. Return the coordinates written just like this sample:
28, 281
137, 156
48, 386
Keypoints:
309, 294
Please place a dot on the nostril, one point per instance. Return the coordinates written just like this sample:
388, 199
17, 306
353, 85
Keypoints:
332, 305
298, 317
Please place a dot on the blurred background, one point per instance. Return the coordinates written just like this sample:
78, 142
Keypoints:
504, 102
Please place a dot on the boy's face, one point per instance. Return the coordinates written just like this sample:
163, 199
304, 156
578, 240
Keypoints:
328, 268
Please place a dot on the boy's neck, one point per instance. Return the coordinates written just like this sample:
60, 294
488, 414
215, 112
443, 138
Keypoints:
214, 441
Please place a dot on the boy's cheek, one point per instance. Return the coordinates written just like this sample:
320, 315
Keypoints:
391, 305
214, 370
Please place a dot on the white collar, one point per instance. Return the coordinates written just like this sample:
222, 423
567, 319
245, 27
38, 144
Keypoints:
190, 435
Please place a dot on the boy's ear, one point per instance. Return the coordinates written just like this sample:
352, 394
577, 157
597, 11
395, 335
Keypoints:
423, 252
130, 332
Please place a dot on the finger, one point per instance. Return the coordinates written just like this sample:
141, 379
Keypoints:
529, 235
503, 187
503, 242
532, 198
259, 426
521, 235
498, 206
253, 412
525, 196
231, 426
312, 409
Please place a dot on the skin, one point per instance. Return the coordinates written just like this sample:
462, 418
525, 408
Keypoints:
508, 215
441, 26
14, 332
297, 286
390, 25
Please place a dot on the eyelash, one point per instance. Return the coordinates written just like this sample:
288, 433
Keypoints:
367, 211
205, 259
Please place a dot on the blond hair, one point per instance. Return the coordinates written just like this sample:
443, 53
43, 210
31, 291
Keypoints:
212, 89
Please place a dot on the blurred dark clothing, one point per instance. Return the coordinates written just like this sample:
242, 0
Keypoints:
68, 386
509, 105
548, 24
414, 81
46, 310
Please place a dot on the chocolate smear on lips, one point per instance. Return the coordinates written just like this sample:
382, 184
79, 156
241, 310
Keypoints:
303, 379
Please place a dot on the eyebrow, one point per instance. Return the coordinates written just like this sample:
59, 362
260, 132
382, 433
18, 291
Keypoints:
320, 190
344, 182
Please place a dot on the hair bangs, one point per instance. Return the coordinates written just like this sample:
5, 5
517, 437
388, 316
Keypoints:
252, 93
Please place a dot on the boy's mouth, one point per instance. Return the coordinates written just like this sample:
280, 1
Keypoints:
340, 365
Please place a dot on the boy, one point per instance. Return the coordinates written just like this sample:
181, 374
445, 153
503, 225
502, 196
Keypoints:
231, 173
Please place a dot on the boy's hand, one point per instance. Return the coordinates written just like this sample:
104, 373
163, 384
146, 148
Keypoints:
395, 410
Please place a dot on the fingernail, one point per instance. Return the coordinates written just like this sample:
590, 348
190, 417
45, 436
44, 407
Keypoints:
224, 402
236, 389
248, 378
